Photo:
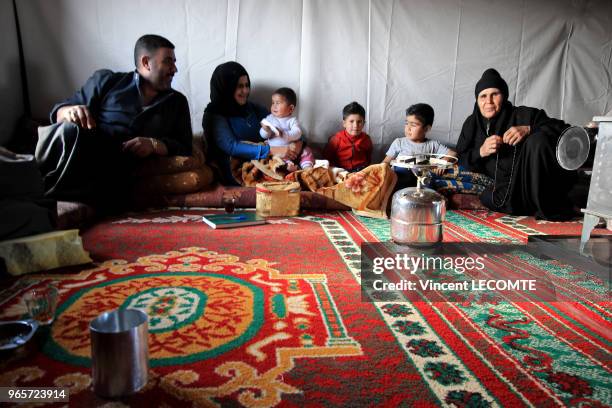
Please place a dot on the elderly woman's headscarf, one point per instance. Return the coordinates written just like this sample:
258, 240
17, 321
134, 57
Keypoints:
223, 84
491, 79
500, 122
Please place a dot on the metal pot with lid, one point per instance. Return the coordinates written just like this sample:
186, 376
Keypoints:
417, 213
417, 216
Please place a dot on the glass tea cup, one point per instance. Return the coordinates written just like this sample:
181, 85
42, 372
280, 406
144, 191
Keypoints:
41, 303
229, 204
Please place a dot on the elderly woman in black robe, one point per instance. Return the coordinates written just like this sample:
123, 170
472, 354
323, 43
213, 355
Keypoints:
515, 145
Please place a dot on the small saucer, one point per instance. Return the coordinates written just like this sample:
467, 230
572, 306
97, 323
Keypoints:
16, 333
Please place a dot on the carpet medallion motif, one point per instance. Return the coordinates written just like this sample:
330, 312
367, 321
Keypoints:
243, 320
192, 316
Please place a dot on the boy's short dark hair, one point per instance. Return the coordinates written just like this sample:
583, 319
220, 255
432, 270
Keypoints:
353, 108
288, 94
422, 112
149, 43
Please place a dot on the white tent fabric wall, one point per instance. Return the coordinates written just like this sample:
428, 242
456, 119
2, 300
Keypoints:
555, 54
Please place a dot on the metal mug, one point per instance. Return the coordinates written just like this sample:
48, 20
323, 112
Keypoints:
119, 352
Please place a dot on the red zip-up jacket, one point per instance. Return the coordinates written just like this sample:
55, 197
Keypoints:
348, 152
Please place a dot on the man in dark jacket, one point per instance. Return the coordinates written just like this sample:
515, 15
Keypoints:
99, 133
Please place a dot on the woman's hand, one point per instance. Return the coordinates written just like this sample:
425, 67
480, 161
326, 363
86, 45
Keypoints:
516, 134
293, 151
490, 146
290, 152
291, 167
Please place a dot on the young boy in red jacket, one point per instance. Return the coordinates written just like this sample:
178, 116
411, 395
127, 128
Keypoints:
350, 148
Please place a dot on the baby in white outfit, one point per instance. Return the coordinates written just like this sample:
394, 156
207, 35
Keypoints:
280, 128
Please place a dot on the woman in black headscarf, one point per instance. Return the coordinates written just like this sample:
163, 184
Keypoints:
515, 145
230, 119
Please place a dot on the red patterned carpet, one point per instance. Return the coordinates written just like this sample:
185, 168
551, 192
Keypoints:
272, 315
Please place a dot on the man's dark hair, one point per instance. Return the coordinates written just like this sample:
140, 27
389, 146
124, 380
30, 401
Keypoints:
422, 112
353, 108
288, 94
148, 44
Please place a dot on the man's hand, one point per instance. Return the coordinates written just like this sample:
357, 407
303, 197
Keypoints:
438, 171
77, 114
140, 146
490, 146
516, 134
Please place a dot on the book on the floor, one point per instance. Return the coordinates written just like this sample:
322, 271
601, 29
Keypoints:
233, 220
